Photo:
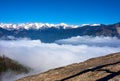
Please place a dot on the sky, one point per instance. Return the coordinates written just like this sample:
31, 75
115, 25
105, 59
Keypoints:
60, 11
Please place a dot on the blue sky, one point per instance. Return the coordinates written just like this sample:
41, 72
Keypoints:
57, 11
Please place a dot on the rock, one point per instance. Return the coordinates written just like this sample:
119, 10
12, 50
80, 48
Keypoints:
105, 68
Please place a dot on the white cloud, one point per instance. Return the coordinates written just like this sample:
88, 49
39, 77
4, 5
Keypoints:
44, 56
91, 41
10, 76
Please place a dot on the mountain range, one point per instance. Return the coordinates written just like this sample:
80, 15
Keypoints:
51, 32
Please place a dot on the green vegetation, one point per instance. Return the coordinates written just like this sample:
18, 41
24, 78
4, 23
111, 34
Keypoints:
7, 64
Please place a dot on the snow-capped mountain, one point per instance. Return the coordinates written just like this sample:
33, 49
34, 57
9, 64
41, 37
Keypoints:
36, 26
41, 25
52, 32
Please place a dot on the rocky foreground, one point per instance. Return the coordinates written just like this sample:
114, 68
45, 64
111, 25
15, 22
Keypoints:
105, 68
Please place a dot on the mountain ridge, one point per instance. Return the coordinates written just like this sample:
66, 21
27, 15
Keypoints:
9, 65
52, 34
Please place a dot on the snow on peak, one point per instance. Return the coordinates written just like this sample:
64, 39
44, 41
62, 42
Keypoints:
90, 25
35, 25
85, 25
95, 24
41, 25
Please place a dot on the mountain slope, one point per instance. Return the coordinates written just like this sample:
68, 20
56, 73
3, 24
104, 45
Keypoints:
52, 33
105, 68
7, 64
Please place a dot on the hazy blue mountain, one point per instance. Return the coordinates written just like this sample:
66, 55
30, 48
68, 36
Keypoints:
50, 34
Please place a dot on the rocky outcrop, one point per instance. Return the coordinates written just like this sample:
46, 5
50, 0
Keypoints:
105, 68
118, 30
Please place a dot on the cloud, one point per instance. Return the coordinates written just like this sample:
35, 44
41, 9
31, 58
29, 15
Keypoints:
10, 76
91, 41
44, 56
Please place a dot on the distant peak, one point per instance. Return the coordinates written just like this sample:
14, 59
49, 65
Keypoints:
95, 24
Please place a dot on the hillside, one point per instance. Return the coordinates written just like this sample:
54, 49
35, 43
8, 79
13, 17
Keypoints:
7, 64
105, 68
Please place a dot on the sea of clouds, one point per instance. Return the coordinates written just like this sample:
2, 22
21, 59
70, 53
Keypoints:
91, 41
44, 56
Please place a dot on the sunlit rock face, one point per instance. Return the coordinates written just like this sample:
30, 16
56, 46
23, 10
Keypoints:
118, 30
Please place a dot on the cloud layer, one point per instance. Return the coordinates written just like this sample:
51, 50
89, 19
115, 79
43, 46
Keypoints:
91, 41
44, 56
